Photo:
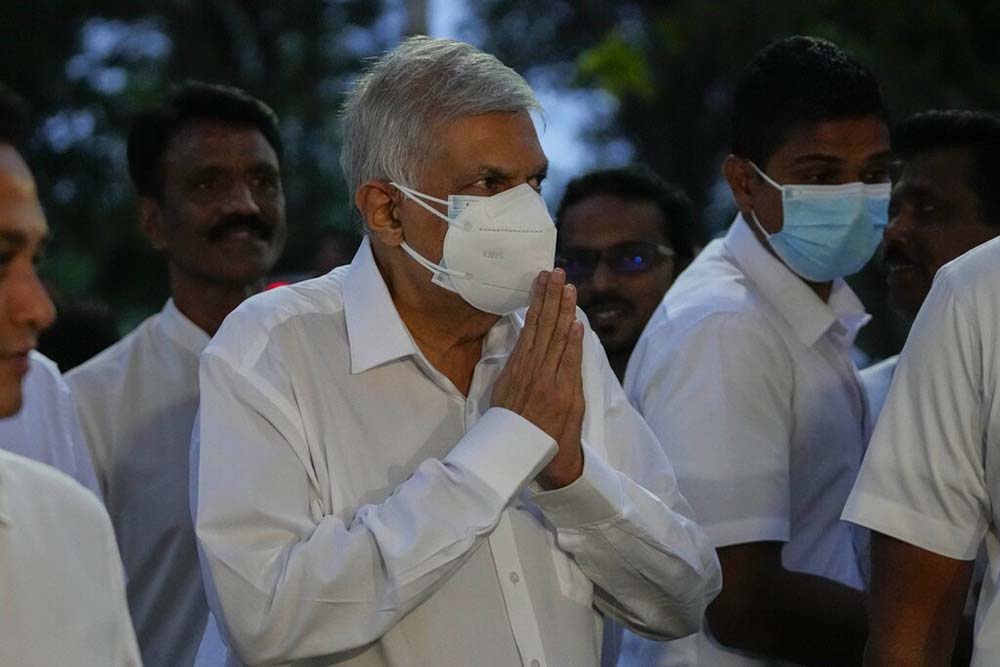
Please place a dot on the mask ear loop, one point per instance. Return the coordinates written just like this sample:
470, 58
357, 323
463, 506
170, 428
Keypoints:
417, 198
753, 214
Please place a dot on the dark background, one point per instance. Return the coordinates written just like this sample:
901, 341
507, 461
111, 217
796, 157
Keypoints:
667, 67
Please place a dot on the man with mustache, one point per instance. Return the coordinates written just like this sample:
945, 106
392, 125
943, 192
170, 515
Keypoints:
943, 204
624, 235
62, 599
207, 168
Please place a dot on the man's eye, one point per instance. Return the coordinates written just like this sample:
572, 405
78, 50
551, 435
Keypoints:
490, 184
876, 176
818, 178
205, 183
264, 182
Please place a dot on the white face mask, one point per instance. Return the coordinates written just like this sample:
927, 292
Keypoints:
494, 246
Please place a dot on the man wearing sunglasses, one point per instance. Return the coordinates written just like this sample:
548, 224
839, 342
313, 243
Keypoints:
624, 235
745, 370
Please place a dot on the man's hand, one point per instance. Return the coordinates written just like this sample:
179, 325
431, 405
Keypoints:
543, 381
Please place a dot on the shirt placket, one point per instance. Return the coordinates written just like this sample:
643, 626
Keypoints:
503, 544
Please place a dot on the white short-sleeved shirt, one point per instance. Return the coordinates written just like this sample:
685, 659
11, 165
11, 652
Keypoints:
62, 597
47, 429
877, 379
355, 509
747, 379
932, 474
137, 402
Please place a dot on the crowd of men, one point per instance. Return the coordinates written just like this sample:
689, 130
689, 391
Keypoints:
494, 438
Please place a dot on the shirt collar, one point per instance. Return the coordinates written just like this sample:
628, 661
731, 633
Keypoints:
181, 330
375, 332
797, 304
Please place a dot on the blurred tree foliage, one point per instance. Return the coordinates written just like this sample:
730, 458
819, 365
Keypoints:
88, 67
671, 66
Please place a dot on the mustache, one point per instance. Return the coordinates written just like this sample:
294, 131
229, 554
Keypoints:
607, 301
229, 223
891, 254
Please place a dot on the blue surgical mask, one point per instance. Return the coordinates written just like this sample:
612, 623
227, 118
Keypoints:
829, 231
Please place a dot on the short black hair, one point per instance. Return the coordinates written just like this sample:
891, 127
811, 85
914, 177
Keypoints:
189, 103
975, 132
794, 81
13, 117
639, 183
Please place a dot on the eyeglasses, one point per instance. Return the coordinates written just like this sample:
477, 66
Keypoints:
628, 257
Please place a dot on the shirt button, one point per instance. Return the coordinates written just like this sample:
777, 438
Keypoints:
535, 663
514, 579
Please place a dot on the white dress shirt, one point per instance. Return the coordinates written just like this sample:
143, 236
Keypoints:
746, 377
62, 599
137, 401
931, 476
355, 508
876, 380
46, 429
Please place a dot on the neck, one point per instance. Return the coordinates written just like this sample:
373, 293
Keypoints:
448, 331
205, 303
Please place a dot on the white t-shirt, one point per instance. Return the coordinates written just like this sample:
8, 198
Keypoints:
746, 377
137, 401
62, 599
46, 429
931, 475
355, 508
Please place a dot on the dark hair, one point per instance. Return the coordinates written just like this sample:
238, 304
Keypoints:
794, 81
975, 132
638, 182
190, 103
13, 117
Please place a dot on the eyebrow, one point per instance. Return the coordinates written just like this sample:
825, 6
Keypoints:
19, 239
817, 157
540, 171
831, 159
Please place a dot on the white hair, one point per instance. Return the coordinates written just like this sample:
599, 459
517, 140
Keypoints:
391, 115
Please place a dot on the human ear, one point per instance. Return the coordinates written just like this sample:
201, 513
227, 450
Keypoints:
151, 222
738, 174
377, 203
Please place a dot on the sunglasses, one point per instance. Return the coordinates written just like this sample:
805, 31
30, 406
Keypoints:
625, 258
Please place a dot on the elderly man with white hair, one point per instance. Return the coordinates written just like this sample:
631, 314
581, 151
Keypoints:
398, 464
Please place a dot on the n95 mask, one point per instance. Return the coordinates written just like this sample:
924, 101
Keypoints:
494, 246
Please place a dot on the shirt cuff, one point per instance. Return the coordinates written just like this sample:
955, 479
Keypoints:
904, 523
747, 531
503, 450
597, 496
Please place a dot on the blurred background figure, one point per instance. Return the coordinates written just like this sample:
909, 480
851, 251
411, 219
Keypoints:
944, 203
206, 165
624, 235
